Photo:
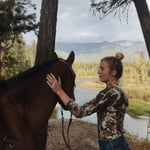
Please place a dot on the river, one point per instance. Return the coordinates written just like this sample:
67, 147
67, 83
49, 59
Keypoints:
135, 126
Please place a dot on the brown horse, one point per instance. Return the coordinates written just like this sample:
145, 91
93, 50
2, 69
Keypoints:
26, 103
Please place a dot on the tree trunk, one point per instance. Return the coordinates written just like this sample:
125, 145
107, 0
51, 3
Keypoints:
144, 18
46, 45
47, 31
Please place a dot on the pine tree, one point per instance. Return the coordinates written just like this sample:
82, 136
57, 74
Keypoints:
16, 59
14, 19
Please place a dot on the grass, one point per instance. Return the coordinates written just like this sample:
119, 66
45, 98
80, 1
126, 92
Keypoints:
138, 107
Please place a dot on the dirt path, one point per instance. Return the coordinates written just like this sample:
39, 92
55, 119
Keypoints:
83, 135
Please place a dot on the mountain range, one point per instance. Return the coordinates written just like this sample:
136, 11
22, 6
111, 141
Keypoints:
93, 52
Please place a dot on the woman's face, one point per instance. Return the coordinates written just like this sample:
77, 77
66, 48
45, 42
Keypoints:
104, 72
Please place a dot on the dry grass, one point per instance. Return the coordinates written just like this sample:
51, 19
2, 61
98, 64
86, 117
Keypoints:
138, 144
83, 135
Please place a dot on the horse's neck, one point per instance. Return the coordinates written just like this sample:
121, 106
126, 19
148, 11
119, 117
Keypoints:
40, 111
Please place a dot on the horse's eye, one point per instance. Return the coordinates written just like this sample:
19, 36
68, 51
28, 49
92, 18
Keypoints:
11, 146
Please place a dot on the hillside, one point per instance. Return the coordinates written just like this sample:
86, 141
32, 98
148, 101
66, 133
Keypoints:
131, 50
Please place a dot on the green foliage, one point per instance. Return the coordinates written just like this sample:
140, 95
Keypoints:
15, 18
31, 53
138, 93
85, 69
15, 60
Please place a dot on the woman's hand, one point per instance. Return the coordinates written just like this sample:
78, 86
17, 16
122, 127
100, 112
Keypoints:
53, 83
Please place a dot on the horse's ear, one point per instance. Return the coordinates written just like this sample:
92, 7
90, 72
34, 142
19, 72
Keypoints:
70, 58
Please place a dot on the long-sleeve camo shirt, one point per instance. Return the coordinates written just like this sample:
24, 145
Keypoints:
110, 105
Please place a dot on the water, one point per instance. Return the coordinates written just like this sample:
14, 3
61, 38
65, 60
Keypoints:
135, 126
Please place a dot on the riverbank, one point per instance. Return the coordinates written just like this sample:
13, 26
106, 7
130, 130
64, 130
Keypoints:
83, 135
137, 107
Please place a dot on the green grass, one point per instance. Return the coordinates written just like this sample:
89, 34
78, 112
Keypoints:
138, 107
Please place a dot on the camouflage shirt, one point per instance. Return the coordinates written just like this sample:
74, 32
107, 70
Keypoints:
110, 105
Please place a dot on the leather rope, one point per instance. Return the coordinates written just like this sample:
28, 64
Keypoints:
67, 141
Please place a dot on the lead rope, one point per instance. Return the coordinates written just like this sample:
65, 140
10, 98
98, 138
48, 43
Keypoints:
70, 121
67, 141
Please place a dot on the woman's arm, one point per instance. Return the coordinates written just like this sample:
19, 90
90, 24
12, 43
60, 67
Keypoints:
55, 85
77, 111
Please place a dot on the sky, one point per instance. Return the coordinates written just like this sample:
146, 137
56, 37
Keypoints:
75, 23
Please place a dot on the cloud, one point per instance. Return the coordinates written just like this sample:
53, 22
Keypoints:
75, 23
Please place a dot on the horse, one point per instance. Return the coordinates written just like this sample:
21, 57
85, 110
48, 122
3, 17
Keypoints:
26, 103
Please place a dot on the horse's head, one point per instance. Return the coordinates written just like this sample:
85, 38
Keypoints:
67, 75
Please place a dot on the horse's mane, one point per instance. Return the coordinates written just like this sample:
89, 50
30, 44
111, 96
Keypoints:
27, 73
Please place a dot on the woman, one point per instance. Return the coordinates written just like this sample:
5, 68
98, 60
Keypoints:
110, 103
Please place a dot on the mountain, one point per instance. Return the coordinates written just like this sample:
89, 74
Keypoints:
89, 52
